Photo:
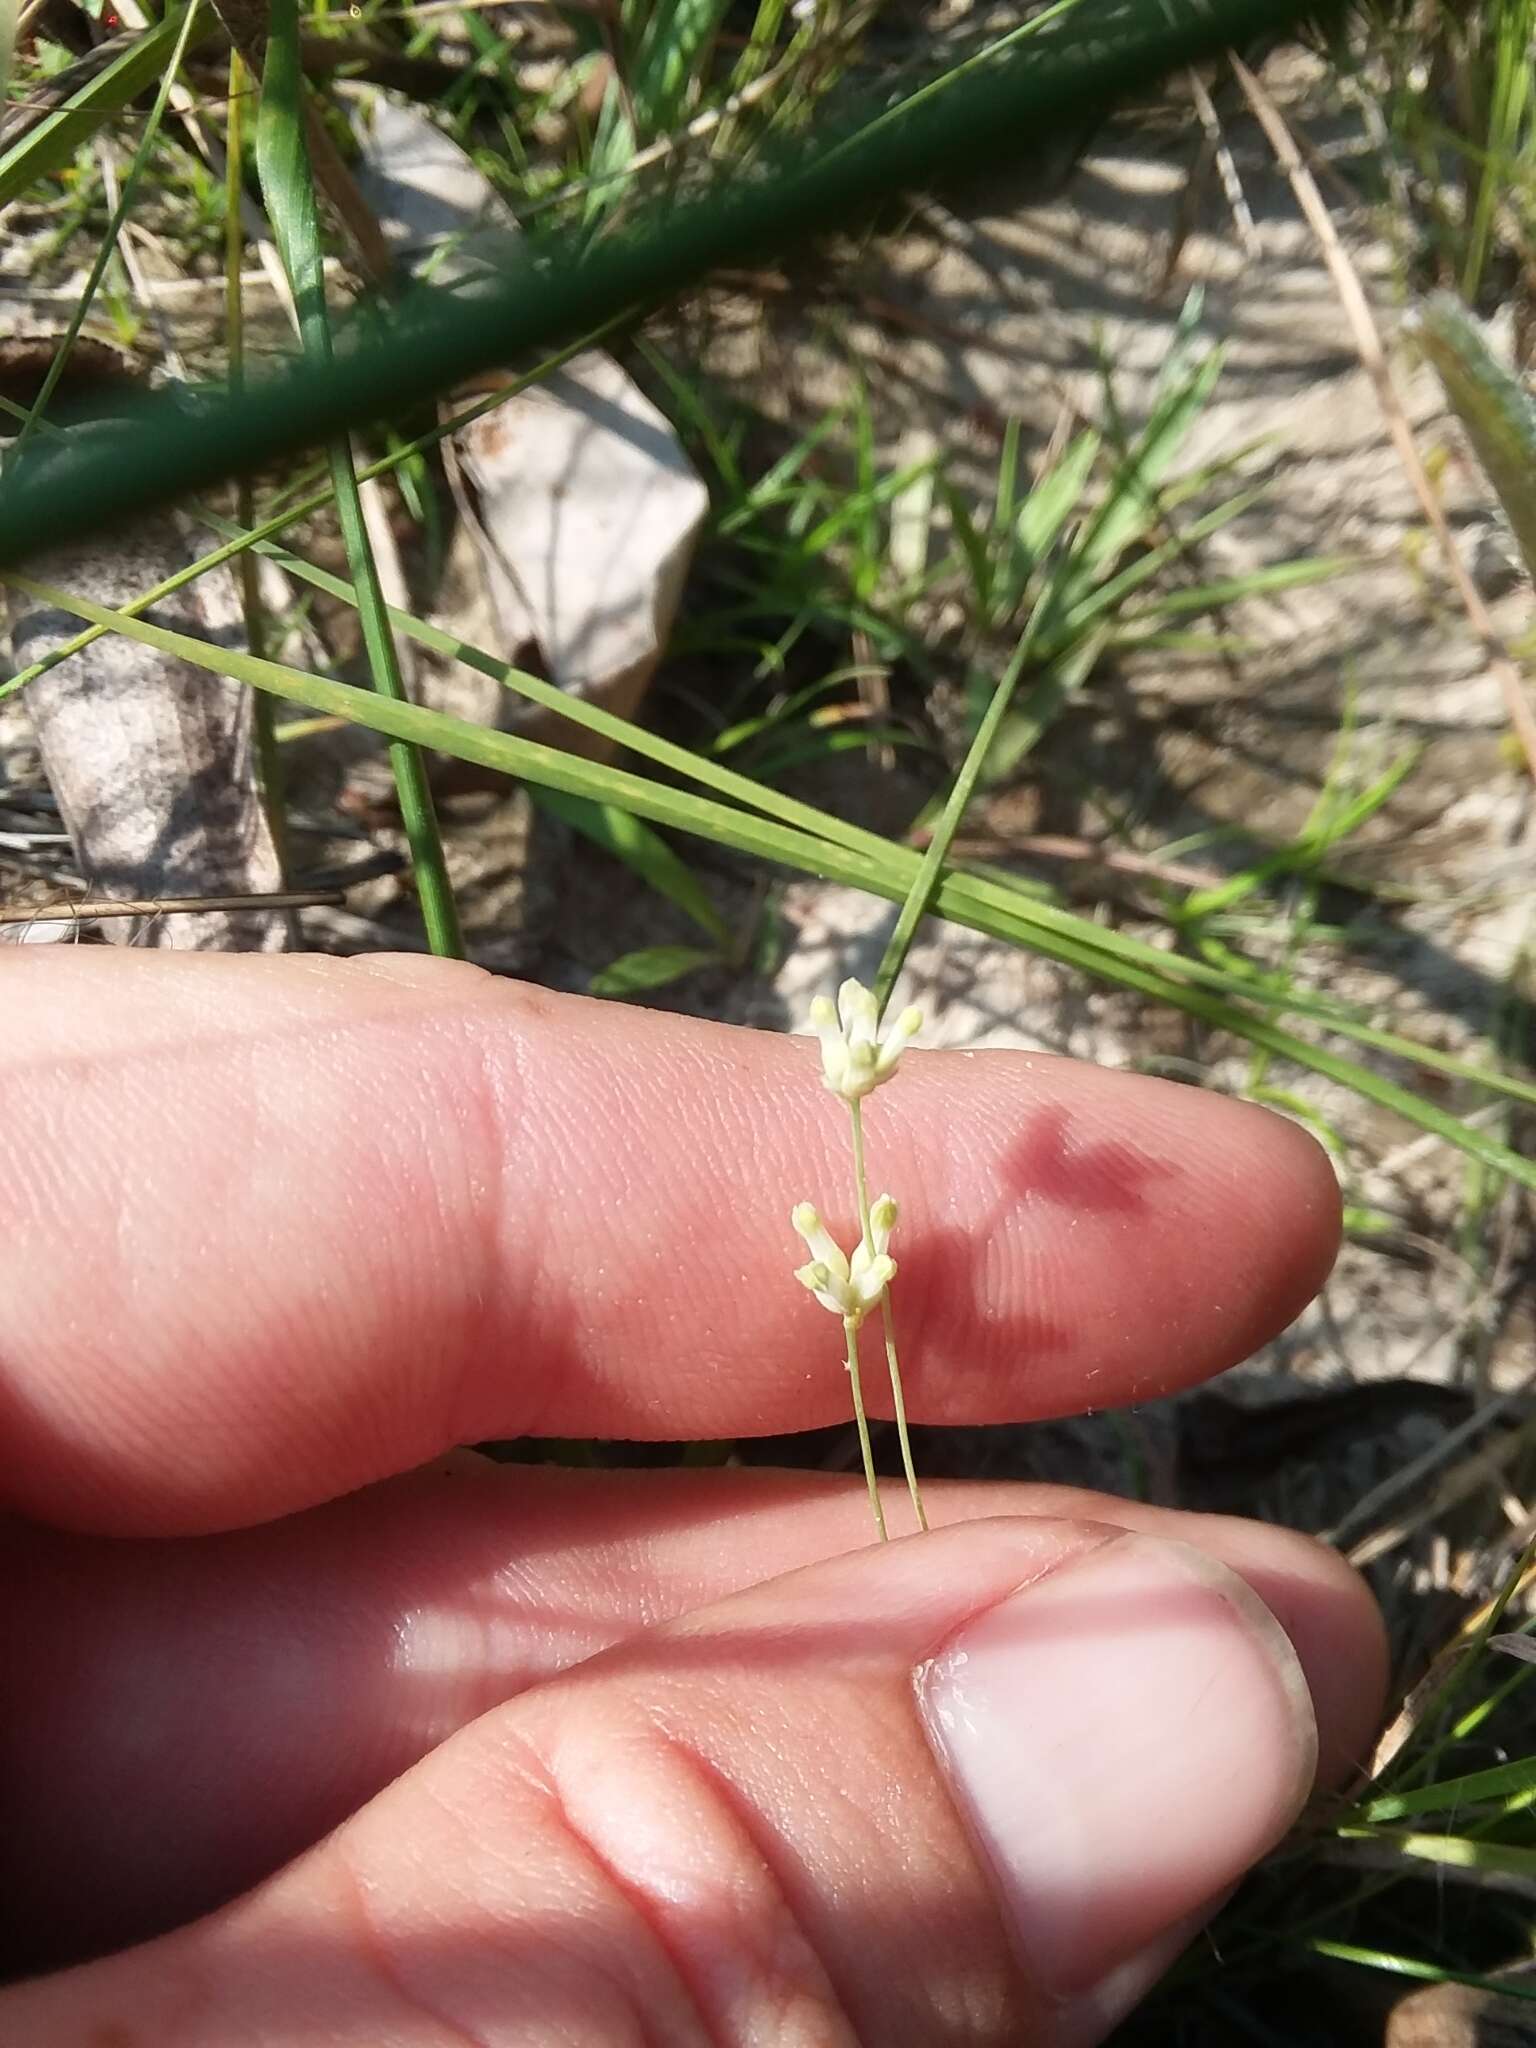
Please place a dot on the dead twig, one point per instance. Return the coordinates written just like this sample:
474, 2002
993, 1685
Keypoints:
90, 908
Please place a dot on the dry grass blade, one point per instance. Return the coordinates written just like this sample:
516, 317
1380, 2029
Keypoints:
89, 908
1373, 359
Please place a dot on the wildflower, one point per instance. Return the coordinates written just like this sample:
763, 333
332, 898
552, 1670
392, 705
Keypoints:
850, 1288
854, 1057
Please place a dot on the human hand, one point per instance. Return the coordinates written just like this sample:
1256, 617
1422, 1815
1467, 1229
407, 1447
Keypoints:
543, 1756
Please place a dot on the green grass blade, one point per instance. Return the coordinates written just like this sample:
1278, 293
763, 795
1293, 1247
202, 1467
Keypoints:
1461, 1852
1510, 24
389, 360
1056, 496
1006, 509
925, 882
999, 887
1309, 848
8, 11
1131, 504
1497, 411
282, 158
652, 967
107, 248
644, 851
673, 45
1500, 1782
1252, 583
1052, 689
1427, 1973
884, 869
975, 554
52, 144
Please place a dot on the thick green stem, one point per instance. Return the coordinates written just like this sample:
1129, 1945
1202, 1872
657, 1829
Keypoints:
861, 1420
888, 1321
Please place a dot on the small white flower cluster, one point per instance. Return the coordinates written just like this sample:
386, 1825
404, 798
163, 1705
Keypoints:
854, 1060
854, 1057
850, 1288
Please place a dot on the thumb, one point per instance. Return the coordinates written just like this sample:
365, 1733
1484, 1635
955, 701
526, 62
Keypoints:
973, 1788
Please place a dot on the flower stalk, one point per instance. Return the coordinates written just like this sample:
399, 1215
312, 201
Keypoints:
888, 1325
861, 1424
855, 1059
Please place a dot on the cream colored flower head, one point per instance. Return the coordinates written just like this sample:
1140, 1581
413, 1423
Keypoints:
850, 1288
854, 1057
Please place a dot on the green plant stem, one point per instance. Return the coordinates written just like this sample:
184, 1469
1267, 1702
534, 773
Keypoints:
915, 907
418, 814
920, 896
861, 1420
269, 756
282, 150
887, 1319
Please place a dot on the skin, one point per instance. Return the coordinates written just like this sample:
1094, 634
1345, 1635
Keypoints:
358, 1737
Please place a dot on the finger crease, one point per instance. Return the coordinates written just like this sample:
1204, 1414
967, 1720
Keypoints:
545, 1781
766, 1847
375, 1950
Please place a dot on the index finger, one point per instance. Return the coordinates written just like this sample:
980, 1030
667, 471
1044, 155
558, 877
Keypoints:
273, 1228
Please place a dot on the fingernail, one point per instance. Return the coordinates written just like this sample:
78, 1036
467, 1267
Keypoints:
1124, 1736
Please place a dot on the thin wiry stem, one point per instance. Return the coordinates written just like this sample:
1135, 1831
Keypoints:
888, 1323
861, 1421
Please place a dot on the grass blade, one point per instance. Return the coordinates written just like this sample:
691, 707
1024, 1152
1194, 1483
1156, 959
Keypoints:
108, 244
51, 145
651, 967
1492, 404
632, 841
1428, 1973
390, 360
878, 866
282, 157
925, 882
1003, 889
1502, 1782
